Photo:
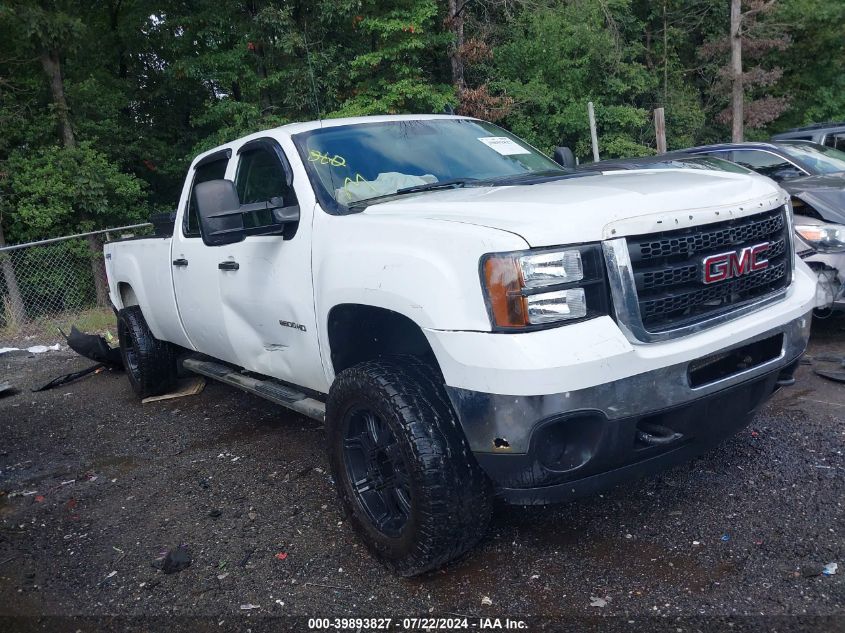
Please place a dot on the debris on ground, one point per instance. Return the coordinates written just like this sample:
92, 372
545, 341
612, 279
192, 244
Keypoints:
837, 376
830, 569
190, 386
175, 560
90, 346
249, 606
35, 349
725, 538
599, 602
832, 367
76, 375
486, 601
281, 555
94, 347
246, 557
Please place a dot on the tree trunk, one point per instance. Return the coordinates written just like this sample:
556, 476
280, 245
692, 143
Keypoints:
456, 56
98, 269
16, 304
737, 93
53, 70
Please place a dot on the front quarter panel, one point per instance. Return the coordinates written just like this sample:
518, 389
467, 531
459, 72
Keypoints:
426, 270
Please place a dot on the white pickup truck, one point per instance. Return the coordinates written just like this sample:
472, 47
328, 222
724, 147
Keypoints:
468, 318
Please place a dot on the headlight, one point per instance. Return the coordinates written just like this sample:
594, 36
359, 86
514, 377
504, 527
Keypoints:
537, 288
825, 238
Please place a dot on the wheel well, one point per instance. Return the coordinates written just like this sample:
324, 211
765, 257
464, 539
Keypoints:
127, 295
359, 333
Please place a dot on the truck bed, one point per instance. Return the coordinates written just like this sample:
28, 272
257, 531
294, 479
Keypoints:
140, 273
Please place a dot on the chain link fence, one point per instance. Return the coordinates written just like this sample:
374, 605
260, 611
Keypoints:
51, 284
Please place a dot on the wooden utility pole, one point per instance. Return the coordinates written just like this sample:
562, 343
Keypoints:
594, 139
660, 130
738, 89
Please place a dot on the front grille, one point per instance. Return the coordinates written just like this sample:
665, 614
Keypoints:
668, 269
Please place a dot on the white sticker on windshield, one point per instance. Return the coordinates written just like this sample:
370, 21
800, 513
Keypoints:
503, 145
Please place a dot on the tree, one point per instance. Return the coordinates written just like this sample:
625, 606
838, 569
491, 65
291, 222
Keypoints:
561, 56
752, 35
399, 70
52, 29
814, 64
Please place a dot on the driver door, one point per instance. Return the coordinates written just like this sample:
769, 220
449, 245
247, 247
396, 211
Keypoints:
266, 293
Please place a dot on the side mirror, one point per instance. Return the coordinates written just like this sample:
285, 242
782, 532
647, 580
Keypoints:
221, 214
564, 157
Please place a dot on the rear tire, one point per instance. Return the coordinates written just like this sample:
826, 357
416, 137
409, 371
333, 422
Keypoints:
150, 364
402, 467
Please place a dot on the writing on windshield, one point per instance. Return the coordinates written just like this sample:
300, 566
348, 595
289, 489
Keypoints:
369, 160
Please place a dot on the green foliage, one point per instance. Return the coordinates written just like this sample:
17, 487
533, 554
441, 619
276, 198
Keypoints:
150, 83
814, 65
397, 74
55, 191
562, 56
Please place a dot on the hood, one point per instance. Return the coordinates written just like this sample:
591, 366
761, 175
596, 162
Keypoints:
596, 207
825, 193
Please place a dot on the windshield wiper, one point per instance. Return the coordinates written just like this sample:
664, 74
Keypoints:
531, 177
455, 183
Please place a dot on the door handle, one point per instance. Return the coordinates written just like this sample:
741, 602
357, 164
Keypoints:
228, 265
180, 262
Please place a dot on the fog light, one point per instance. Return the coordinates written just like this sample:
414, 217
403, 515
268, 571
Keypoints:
557, 306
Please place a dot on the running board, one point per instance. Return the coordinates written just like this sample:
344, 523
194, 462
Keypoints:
267, 388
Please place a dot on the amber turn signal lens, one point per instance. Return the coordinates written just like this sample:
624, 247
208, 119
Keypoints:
502, 277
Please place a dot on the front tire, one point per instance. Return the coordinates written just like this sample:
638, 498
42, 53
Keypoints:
150, 364
403, 469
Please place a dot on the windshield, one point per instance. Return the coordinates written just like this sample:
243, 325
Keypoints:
369, 160
818, 159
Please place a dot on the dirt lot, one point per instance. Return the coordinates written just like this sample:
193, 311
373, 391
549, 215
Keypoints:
96, 486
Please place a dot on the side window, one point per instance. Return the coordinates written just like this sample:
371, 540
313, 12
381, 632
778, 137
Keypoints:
724, 155
764, 163
209, 171
261, 177
836, 141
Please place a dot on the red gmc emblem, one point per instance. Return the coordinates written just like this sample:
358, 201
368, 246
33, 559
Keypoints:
735, 263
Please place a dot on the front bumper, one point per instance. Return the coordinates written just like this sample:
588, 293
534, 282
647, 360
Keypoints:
552, 447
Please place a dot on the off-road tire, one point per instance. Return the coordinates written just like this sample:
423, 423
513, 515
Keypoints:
450, 496
150, 364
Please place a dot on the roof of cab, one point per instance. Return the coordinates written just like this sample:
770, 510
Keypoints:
290, 129
296, 128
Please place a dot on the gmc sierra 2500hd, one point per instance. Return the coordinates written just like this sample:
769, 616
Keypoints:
468, 318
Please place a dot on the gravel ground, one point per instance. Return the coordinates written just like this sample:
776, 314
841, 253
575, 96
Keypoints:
95, 486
